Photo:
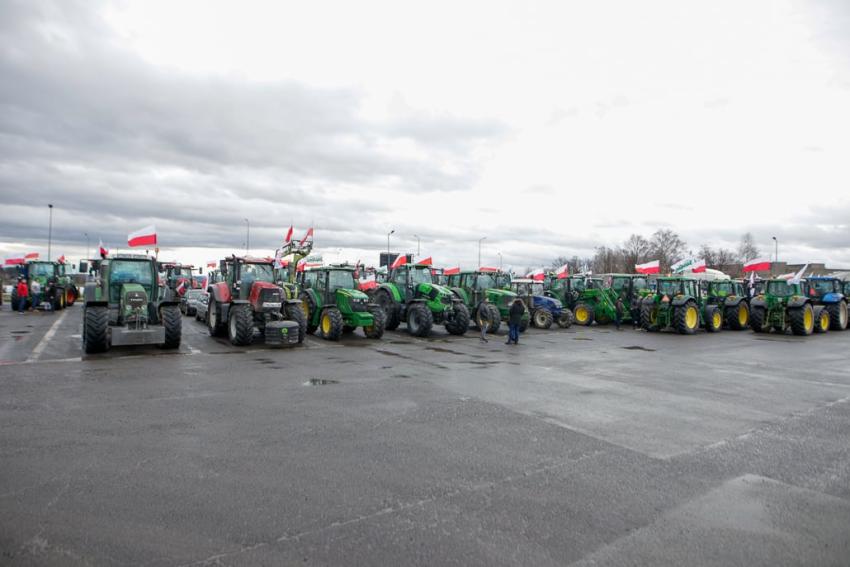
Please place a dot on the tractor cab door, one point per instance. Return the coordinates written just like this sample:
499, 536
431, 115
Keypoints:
408, 286
321, 286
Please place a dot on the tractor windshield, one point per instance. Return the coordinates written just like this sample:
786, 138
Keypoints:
819, 288
41, 270
485, 281
669, 287
257, 273
340, 279
780, 289
721, 289
420, 276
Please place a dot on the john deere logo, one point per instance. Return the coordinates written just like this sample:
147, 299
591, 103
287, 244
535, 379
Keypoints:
284, 331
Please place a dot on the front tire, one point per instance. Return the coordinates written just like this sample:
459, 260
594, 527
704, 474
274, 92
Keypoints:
565, 321
390, 307
240, 325
379, 320
822, 319
460, 322
215, 326
542, 319
294, 312
495, 318
649, 316
837, 316
332, 324
738, 316
757, 319
583, 314
172, 320
713, 319
95, 329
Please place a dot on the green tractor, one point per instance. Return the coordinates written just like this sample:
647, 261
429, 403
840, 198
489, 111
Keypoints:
472, 287
47, 274
567, 290
125, 305
409, 294
678, 303
597, 301
332, 302
783, 304
730, 296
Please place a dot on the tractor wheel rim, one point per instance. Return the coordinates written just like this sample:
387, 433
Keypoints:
717, 320
305, 305
808, 319
326, 323
581, 314
824, 321
232, 326
691, 317
742, 314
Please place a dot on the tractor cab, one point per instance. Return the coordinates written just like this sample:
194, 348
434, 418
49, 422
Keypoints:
331, 300
411, 280
251, 279
824, 288
474, 286
828, 292
178, 277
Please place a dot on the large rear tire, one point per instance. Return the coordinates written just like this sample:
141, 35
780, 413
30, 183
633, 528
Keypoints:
15, 301
379, 320
294, 312
390, 307
215, 326
95, 329
648, 316
420, 320
583, 314
686, 318
565, 321
542, 319
757, 319
802, 320
838, 316
172, 320
240, 325
460, 322
331, 323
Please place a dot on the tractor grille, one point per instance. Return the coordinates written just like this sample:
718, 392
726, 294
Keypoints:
359, 305
135, 299
446, 300
269, 296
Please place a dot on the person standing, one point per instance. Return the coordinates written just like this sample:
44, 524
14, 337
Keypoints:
618, 312
635, 312
515, 314
23, 293
484, 318
35, 291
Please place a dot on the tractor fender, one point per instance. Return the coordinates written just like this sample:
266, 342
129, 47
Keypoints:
797, 301
733, 301
90, 294
314, 298
220, 292
680, 300
392, 290
832, 298
758, 301
461, 294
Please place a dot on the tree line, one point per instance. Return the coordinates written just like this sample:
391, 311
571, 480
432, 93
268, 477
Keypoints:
663, 245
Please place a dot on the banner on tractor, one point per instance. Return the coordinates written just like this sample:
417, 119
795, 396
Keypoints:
367, 283
563, 272
487, 269
653, 267
32, 256
537, 275
143, 237
451, 271
688, 265
757, 265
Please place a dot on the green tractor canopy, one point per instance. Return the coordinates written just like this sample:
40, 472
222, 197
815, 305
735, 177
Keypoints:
730, 296
784, 305
332, 302
598, 296
678, 303
476, 286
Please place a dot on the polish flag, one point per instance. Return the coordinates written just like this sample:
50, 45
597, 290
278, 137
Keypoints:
451, 271
288, 238
61, 259
104, 251
698, 267
400, 260
563, 271
757, 265
487, 269
537, 275
211, 264
143, 237
426, 262
367, 283
15, 261
306, 236
32, 256
649, 268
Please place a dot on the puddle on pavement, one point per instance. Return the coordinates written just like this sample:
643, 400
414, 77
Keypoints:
19, 332
400, 342
402, 376
445, 350
388, 353
582, 339
265, 360
636, 347
320, 382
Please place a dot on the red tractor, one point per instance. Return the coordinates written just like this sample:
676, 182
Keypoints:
246, 299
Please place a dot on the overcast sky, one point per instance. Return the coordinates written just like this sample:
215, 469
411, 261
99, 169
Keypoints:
548, 127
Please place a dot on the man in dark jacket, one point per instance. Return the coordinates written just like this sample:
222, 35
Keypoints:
618, 312
515, 320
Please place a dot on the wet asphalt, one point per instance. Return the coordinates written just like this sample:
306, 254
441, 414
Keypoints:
583, 446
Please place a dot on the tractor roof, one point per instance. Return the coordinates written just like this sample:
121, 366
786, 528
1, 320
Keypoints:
822, 278
523, 281
330, 268
132, 257
484, 271
250, 259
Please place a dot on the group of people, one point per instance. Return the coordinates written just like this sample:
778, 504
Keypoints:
32, 294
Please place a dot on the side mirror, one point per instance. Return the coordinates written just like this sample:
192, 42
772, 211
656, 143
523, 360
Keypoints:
84, 267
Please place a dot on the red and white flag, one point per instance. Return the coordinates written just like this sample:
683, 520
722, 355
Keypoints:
15, 261
487, 269
425, 262
400, 260
451, 271
649, 268
32, 256
211, 264
797, 278
61, 259
306, 236
757, 265
698, 267
103, 250
288, 238
142, 237
537, 275
367, 283
563, 271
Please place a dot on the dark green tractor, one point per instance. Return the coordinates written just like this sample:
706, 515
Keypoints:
730, 296
567, 290
50, 275
332, 302
784, 305
598, 300
472, 287
678, 303
125, 305
410, 294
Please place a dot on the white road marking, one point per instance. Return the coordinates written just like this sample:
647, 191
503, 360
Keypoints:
42, 344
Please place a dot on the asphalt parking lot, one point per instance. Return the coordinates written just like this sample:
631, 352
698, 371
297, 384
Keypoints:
581, 446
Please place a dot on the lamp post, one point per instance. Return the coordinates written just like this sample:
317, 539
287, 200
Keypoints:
417, 245
87, 245
500, 261
49, 231
479, 249
776, 250
388, 247
247, 236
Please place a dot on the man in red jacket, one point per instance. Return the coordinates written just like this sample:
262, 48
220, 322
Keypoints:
23, 293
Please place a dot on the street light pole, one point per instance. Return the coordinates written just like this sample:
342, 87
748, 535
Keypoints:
479, 249
87, 245
49, 231
417, 245
388, 247
247, 236
776, 253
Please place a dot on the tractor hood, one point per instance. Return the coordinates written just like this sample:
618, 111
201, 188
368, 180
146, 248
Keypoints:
134, 302
352, 294
500, 297
434, 291
547, 302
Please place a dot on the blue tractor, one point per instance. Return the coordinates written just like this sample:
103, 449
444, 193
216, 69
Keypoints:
828, 292
544, 310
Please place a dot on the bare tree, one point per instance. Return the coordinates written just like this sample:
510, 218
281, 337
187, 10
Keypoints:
634, 251
667, 247
747, 249
606, 260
